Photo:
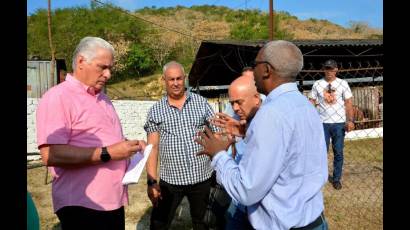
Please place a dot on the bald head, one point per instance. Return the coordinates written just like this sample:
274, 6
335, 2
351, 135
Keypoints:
244, 98
244, 84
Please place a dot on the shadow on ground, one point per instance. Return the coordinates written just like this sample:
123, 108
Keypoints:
182, 218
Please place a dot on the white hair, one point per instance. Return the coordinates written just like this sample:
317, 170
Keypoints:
88, 47
172, 64
285, 57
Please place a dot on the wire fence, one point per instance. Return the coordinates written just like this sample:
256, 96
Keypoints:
359, 202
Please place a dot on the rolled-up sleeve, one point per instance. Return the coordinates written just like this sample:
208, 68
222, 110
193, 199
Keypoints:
151, 125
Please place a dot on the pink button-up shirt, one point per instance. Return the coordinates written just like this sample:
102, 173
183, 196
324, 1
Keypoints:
72, 114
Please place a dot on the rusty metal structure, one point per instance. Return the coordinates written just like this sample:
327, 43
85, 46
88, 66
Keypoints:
218, 63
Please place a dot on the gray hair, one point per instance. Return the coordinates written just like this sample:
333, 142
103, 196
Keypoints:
285, 57
172, 64
88, 47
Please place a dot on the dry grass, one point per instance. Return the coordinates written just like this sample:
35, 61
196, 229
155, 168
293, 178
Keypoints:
359, 205
208, 27
148, 87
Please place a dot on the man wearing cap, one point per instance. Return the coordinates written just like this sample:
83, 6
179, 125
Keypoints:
333, 98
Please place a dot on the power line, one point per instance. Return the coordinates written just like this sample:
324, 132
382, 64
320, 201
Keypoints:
145, 20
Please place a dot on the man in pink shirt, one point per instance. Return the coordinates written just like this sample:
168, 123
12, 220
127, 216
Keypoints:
79, 134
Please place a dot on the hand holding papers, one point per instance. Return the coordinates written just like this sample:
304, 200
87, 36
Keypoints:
136, 166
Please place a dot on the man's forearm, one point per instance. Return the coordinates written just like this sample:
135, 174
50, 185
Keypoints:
151, 167
69, 156
349, 111
152, 164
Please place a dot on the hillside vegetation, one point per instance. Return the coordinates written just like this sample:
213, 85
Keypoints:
142, 48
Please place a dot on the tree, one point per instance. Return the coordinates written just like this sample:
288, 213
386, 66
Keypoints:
139, 60
70, 25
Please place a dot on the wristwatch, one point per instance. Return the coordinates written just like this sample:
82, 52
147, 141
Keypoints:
151, 182
105, 156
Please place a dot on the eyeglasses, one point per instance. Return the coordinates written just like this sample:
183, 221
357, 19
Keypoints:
255, 63
330, 89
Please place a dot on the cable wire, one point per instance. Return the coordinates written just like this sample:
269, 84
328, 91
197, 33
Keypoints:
147, 21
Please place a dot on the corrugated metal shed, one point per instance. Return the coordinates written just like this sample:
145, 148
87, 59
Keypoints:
38, 76
218, 63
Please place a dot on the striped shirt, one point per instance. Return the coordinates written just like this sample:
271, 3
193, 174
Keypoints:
179, 164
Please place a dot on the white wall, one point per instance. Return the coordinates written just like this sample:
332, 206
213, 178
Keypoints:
132, 116
364, 134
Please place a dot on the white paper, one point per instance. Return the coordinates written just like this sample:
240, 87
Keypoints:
136, 166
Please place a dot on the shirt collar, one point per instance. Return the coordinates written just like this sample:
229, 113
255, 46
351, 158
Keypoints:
283, 88
88, 89
187, 95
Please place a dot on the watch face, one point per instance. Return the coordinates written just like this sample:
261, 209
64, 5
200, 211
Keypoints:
105, 156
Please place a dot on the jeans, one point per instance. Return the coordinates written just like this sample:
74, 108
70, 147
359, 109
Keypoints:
336, 132
236, 219
172, 195
323, 226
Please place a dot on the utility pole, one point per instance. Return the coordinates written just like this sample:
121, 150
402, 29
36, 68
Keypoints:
271, 18
52, 66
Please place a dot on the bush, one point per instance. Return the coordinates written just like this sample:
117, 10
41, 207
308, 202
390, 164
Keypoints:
139, 61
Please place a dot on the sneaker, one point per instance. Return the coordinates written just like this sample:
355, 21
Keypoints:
337, 185
330, 179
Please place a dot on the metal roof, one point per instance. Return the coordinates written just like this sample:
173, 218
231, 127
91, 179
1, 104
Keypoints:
327, 42
219, 62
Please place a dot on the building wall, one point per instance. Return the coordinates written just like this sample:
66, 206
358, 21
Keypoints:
132, 115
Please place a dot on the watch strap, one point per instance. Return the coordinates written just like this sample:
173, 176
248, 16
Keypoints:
151, 182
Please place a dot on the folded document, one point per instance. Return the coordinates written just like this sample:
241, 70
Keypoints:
136, 166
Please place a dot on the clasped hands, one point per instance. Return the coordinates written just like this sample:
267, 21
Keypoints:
213, 143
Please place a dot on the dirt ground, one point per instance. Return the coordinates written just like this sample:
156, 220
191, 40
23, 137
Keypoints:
136, 213
358, 205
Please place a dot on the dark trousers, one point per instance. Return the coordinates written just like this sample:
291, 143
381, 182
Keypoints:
335, 131
77, 217
237, 219
172, 195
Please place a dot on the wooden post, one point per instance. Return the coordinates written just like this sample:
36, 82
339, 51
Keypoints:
52, 67
271, 20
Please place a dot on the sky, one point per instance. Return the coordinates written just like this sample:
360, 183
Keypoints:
341, 12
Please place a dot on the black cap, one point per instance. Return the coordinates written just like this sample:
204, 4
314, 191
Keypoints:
330, 64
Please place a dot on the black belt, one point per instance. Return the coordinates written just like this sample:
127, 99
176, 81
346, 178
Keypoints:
312, 225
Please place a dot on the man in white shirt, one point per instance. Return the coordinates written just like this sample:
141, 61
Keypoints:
333, 98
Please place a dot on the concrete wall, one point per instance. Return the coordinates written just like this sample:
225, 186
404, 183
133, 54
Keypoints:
132, 116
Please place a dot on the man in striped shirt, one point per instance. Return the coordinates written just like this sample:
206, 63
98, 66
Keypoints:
172, 125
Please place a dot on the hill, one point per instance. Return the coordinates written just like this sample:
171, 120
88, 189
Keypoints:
147, 38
